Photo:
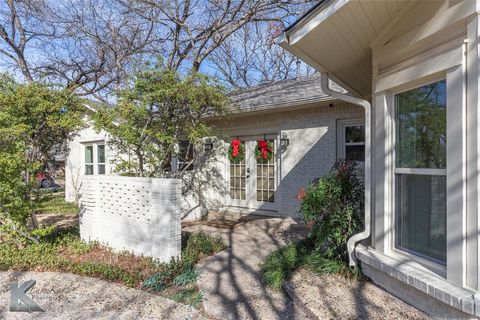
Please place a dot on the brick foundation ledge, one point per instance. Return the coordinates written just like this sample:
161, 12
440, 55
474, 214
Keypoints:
417, 286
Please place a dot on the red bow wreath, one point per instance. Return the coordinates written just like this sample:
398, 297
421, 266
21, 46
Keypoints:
264, 150
236, 151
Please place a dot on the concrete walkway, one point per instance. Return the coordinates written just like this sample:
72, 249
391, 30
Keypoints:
231, 280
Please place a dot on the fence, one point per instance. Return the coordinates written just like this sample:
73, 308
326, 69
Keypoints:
141, 215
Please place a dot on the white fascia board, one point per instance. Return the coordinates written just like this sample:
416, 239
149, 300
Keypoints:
303, 28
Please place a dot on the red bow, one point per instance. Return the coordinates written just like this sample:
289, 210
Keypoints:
264, 148
235, 146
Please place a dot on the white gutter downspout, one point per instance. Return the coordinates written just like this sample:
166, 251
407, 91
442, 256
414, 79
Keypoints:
368, 162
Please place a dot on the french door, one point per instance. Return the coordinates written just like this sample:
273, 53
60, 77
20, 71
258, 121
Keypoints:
252, 184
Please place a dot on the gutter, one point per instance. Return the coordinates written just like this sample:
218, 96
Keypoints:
368, 163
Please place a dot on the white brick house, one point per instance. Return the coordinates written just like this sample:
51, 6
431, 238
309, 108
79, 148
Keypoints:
314, 124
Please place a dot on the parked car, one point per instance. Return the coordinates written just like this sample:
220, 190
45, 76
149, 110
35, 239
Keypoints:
44, 179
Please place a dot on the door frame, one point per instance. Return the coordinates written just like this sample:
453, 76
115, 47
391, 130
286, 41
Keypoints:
250, 201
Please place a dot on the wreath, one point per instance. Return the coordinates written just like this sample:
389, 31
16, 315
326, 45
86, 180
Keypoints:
236, 152
263, 151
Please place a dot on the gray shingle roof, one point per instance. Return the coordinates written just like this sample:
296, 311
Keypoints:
280, 94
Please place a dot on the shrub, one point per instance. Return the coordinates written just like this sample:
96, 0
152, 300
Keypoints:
182, 272
278, 266
332, 209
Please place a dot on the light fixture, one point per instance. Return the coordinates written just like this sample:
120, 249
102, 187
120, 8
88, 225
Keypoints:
208, 145
284, 141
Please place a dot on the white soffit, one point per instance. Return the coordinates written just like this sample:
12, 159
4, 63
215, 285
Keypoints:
336, 38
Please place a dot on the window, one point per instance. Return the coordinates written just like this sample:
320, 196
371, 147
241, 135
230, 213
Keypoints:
185, 155
88, 160
94, 159
266, 179
351, 137
420, 171
101, 159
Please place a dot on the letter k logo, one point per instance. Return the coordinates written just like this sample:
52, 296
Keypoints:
19, 301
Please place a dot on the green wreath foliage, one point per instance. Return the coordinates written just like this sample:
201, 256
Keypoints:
258, 153
239, 157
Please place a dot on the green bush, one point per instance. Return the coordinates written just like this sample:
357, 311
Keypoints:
279, 265
333, 210
182, 272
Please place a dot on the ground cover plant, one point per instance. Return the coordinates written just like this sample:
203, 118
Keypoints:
55, 203
62, 250
177, 279
332, 209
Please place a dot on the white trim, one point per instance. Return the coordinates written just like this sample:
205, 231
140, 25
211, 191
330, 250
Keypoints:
305, 26
438, 64
342, 124
250, 201
421, 171
429, 262
95, 163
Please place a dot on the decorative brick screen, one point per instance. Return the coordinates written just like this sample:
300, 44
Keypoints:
140, 215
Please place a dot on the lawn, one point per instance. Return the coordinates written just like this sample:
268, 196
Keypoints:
55, 203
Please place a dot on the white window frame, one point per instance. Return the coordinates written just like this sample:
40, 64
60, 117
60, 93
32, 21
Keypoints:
454, 270
403, 253
85, 163
95, 162
341, 144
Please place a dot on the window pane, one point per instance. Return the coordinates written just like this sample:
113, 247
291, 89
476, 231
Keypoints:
421, 215
354, 134
89, 169
185, 154
101, 153
101, 169
355, 153
421, 127
88, 154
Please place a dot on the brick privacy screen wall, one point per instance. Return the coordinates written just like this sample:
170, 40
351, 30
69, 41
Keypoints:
140, 215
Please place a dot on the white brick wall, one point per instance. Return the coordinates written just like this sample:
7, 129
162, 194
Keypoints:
140, 215
312, 151
313, 144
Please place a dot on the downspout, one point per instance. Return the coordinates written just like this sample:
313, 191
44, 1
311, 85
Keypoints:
368, 162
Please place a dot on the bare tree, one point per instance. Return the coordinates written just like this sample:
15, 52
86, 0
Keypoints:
192, 30
92, 46
250, 57
89, 46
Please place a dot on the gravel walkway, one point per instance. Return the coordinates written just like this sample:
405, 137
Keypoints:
68, 296
335, 297
234, 288
231, 280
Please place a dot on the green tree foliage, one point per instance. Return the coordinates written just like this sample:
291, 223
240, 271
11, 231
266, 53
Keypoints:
34, 118
154, 114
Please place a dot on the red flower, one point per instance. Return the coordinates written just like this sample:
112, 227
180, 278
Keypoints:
235, 147
301, 194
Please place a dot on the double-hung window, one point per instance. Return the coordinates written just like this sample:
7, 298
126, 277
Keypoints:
420, 171
94, 159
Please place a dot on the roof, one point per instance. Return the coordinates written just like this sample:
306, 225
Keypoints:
285, 93
305, 16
